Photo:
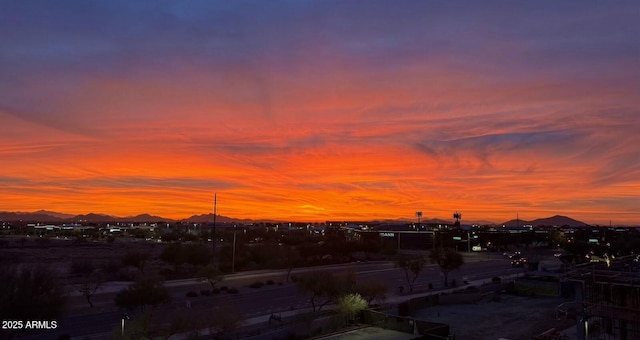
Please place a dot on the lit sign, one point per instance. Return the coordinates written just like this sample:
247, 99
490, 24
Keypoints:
457, 238
387, 234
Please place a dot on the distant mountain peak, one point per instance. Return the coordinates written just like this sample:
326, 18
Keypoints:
556, 220
53, 214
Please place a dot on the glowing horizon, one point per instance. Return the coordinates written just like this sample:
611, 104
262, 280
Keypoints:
316, 111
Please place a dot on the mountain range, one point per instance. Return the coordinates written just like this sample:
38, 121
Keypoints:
557, 220
44, 216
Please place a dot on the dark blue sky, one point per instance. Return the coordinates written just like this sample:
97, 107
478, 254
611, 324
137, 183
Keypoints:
315, 110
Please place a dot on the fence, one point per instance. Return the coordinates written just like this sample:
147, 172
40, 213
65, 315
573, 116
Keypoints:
429, 330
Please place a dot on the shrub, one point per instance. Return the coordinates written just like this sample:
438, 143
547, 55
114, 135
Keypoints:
232, 291
223, 288
430, 285
192, 294
216, 291
81, 267
270, 282
496, 279
257, 284
205, 292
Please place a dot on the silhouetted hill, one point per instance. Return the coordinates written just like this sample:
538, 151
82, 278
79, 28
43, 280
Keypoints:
208, 218
44, 216
28, 217
53, 214
94, 218
436, 221
549, 221
145, 218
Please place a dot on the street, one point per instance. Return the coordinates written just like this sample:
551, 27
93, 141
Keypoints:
101, 320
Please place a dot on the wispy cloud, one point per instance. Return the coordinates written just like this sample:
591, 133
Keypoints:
321, 110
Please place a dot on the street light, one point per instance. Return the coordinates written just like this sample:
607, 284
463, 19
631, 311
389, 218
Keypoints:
125, 316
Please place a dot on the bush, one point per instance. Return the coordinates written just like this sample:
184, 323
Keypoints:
192, 294
81, 267
215, 291
430, 285
29, 293
110, 267
270, 282
232, 291
205, 292
223, 288
43, 241
257, 284
496, 279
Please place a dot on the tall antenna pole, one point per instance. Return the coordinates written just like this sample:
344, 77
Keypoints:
213, 230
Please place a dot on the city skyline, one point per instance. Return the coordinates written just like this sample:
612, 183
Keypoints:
315, 111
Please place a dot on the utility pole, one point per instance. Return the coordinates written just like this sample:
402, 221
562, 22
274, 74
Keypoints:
233, 254
213, 230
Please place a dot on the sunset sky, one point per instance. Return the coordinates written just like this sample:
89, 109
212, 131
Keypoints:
322, 110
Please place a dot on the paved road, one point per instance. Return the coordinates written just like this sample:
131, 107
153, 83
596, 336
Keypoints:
105, 317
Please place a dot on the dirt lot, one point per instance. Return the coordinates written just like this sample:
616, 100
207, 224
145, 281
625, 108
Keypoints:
58, 254
512, 317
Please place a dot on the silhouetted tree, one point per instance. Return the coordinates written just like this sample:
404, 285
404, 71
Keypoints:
197, 254
174, 254
82, 267
136, 259
326, 286
411, 265
578, 249
370, 246
211, 274
146, 291
89, 285
371, 290
447, 259
292, 259
90, 279
30, 293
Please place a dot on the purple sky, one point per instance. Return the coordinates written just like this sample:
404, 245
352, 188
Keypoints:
322, 110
